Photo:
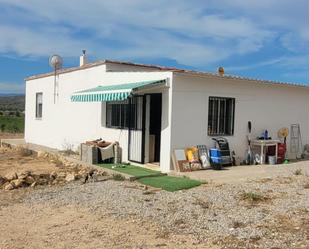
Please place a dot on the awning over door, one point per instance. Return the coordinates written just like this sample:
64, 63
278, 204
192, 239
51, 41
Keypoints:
113, 92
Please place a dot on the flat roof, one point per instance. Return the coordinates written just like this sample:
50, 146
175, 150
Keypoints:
163, 68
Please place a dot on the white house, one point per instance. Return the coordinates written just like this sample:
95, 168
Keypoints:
165, 108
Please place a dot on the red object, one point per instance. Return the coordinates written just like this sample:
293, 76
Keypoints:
281, 152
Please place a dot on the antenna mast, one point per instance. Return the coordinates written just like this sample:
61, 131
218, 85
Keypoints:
55, 61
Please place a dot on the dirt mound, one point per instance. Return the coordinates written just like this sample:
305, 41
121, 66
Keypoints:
20, 168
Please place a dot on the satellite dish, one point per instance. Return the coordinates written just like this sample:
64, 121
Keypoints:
221, 71
56, 61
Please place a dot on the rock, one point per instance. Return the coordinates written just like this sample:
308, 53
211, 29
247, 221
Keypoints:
61, 175
11, 176
42, 181
24, 174
3, 180
41, 154
29, 180
33, 184
9, 186
70, 177
18, 183
53, 175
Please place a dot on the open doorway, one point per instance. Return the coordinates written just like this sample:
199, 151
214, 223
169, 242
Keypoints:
155, 117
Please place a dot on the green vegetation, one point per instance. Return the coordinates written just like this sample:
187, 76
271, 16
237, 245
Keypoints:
12, 103
130, 170
170, 183
12, 124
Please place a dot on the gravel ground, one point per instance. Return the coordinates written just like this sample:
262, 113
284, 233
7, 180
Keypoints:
211, 213
270, 213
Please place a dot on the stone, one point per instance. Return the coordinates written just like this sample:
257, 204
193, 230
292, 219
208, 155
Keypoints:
11, 176
33, 184
18, 183
24, 174
42, 181
29, 180
61, 175
53, 175
3, 180
70, 177
41, 154
9, 186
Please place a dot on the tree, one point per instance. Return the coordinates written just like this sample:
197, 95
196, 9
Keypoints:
2, 127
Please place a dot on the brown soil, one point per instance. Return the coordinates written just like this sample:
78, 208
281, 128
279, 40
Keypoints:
71, 226
5, 135
14, 161
76, 227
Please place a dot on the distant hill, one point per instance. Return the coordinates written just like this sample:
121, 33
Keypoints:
10, 94
12, 102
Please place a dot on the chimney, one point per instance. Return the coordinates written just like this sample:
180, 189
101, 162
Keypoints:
83, 59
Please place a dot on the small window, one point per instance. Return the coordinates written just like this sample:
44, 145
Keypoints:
117, 114
39, 105
122, 114
221, 116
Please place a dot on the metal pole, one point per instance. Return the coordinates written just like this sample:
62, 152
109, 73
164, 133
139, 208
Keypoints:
55, 86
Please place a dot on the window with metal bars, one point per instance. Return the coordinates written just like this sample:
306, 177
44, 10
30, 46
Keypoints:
221, 116
122, 114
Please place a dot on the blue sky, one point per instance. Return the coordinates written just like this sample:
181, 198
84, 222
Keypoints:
265, 39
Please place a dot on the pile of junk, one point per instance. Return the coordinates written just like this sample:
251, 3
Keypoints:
200, 157
100, 151
261, 149
265, 150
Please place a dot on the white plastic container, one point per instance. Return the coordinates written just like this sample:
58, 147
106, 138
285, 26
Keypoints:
272, 160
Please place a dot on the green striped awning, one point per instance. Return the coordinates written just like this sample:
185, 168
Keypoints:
112, 92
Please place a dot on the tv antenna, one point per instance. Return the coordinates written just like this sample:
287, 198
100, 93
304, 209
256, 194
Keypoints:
55, 61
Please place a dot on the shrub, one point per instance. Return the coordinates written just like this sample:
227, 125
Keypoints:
118, 177
253, 197
298, 172
12, 124
22, 151
2, 127
68, 149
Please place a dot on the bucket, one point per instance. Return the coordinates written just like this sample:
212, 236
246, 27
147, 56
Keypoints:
272, 160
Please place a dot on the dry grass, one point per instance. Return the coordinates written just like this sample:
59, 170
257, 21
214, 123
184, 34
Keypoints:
253, 197
202, 203
118, 177
23, 151
238, 224
298, 172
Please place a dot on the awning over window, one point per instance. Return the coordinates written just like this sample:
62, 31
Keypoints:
113, 92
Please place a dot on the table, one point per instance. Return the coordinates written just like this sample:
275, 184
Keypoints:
264, 144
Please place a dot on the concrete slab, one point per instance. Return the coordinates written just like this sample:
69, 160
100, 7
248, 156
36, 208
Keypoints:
237, 174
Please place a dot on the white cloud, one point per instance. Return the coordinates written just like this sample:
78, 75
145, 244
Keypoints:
6, 87
175, 29
193, 32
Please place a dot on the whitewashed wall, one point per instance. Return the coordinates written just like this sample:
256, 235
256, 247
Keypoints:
70, 123
267, 106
